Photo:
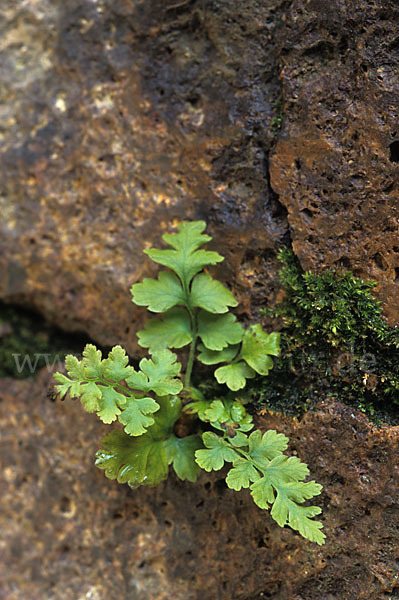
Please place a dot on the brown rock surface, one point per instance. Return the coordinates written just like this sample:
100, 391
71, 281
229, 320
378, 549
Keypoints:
120, 118
117, 120
68, 533
336, 165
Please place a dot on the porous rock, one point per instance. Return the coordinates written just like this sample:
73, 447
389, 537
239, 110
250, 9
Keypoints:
336, 164
119, 119
66, 532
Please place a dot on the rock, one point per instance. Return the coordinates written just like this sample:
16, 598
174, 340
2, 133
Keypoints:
69, 533
119, 120
336, 164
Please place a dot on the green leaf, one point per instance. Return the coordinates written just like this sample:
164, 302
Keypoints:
75, 389
227, 411
217, 452
200, 408
109, 404
185, 259
263, 448
262, 493
234, 375
91, 381
247, 425
90, 396
211, 295
159, 295
256, 347
286, 511
238, 413
138, 415
211, 357
173, 331
74, 367
157, 374
218, 331
217, 412
160, 371
138, 381
133, 460
166, 417
116, 365
241, 475
222, 412
271, 342
181, 453
66, 385
284, 468
239, 440
142, 460
283, 476
93, 366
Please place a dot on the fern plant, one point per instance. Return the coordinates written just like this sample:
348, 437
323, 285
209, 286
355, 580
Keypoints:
149, 402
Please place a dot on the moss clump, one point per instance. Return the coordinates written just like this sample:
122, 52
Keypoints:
335, 343
28, 343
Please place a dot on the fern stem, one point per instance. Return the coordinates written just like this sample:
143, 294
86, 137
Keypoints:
190, 362
194, 334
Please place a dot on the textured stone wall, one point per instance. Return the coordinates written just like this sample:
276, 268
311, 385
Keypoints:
121, 118
68, 533
336, 164
118, 120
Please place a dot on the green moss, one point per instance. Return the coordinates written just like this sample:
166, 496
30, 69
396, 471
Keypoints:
28, 343
335, 343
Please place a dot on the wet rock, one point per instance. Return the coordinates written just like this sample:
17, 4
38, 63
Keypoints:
336, 165
67, 532
120, 119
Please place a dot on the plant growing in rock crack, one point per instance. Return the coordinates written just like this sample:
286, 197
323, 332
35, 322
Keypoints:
149, 402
